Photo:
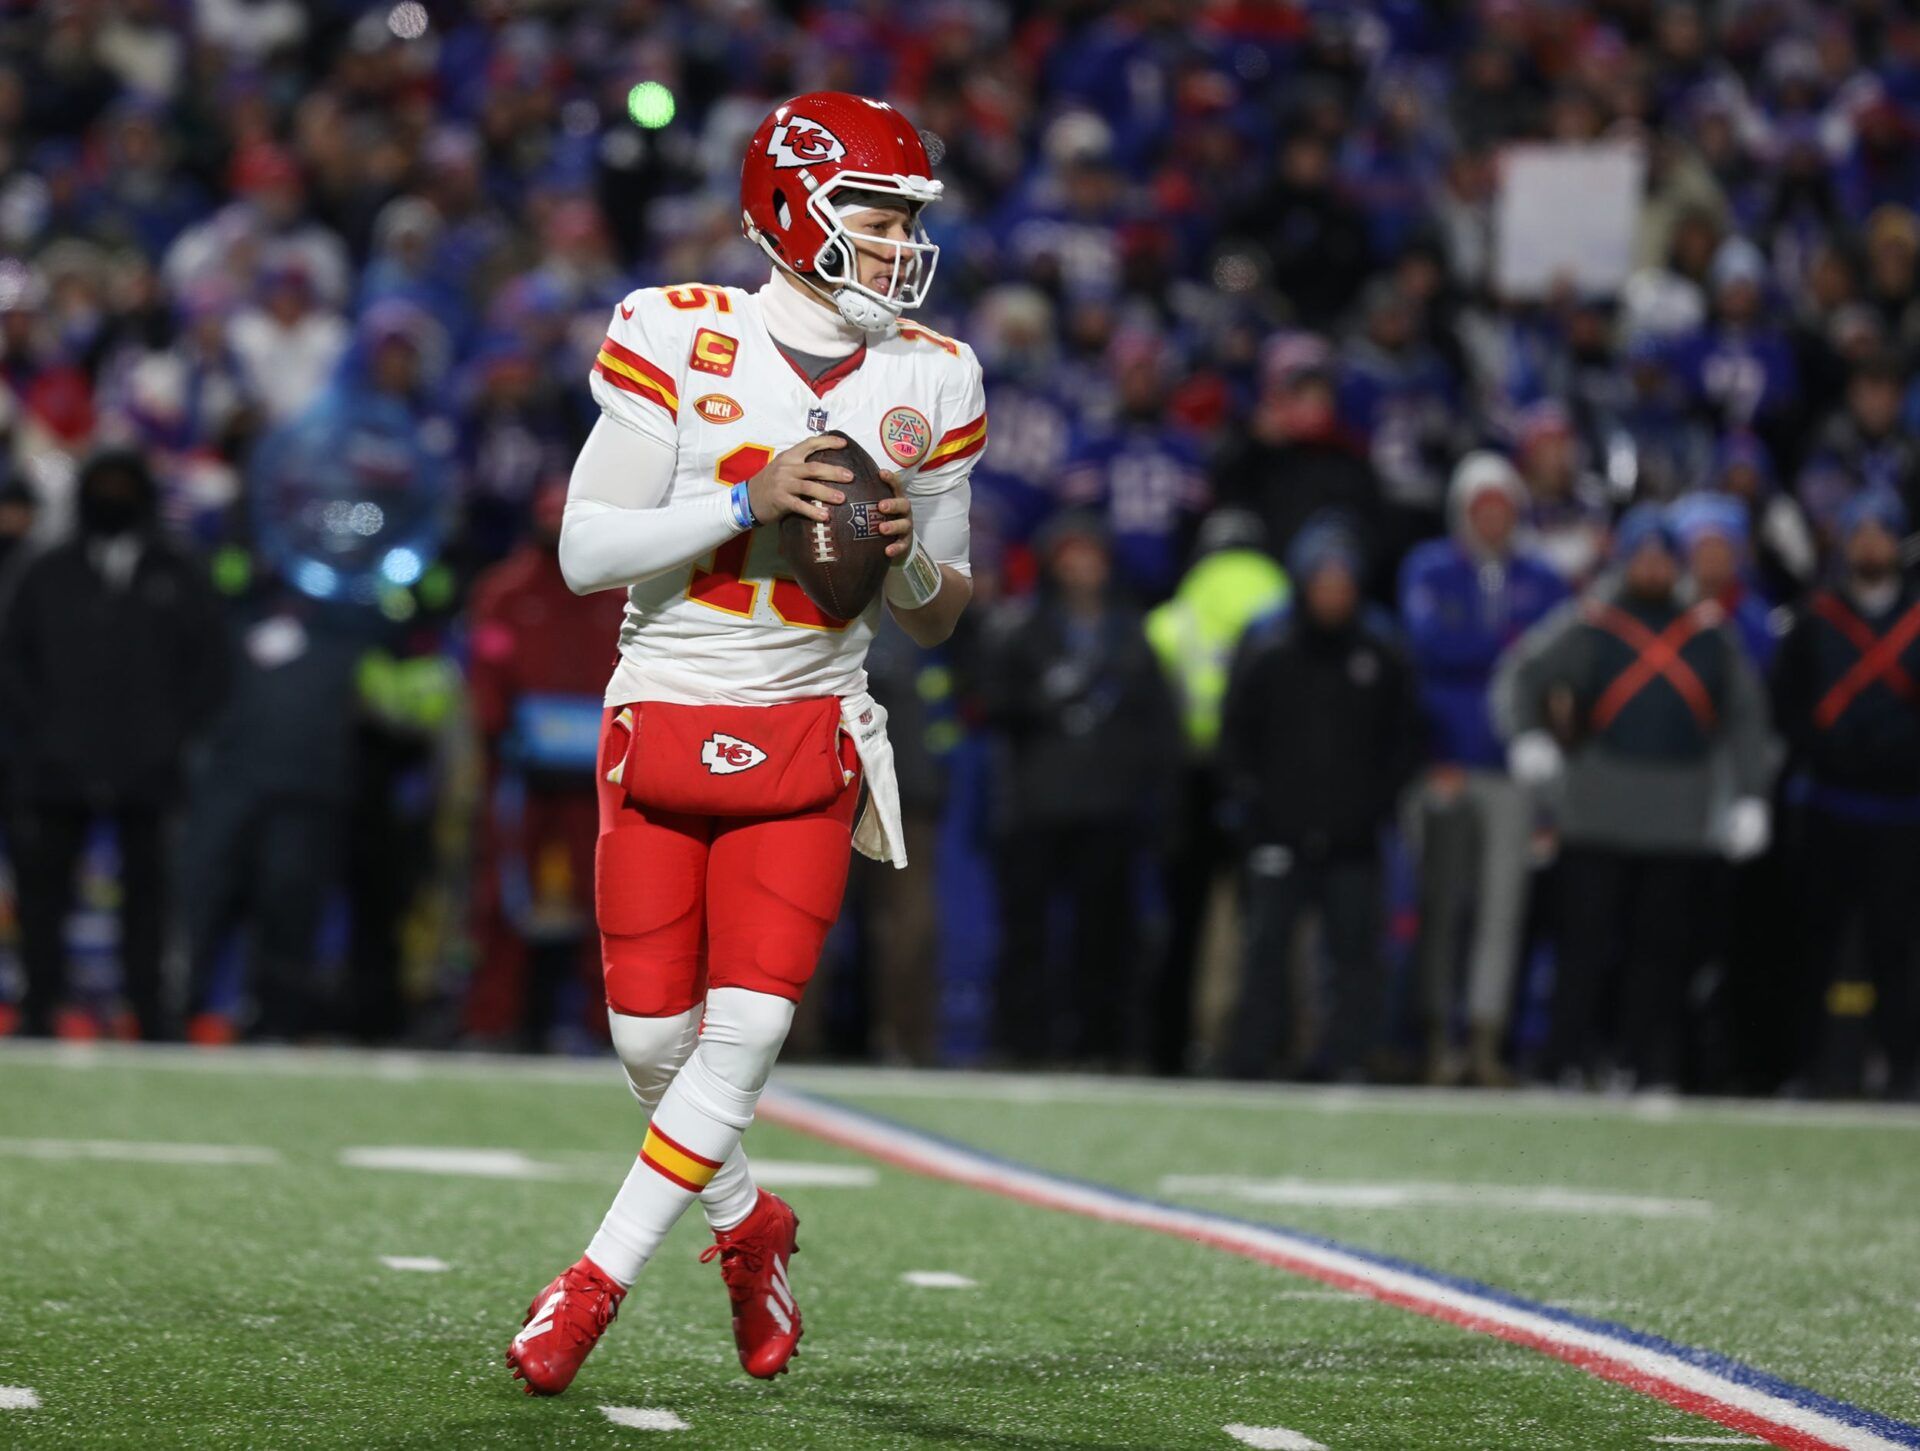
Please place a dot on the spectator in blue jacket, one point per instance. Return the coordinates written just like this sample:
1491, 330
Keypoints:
1463, 600
1740, 368
1141, 473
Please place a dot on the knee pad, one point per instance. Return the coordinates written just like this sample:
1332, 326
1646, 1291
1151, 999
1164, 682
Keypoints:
743, 1035
652, 1049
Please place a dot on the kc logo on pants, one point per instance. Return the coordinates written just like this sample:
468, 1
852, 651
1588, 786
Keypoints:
726, 755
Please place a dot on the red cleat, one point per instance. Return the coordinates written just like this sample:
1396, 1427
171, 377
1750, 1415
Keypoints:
563, 1324
753, 1262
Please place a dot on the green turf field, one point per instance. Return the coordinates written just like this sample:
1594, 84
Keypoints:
189, 1299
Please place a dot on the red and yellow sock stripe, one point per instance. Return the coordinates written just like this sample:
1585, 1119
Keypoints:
957, 443
677, 1162
626, 369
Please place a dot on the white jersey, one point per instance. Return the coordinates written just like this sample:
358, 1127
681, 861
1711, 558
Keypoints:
694, 368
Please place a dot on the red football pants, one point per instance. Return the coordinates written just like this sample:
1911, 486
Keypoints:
686, 903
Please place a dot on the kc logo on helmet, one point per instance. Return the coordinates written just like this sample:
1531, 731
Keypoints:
800, 142
726, 755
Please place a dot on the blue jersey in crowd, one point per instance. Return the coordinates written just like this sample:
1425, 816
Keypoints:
1741, 374
1149, 483
1459, 614
1015, 481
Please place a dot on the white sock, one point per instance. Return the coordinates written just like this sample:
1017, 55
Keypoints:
652, 1050
696, 1128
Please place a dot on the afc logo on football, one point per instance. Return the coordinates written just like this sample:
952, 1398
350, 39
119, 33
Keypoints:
713, 352
800, 142
725, 755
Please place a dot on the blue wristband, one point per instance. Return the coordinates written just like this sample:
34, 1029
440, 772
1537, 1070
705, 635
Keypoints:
742, 508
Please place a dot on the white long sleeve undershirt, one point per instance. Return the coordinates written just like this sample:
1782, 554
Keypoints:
616, 530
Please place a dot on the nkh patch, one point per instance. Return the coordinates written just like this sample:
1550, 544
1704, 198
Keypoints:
726, 755
718, 408
906, 435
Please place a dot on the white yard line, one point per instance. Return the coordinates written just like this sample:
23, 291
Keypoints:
1528, 1199
468, 1163
425, 1264
1324, 1295
18, 1398
129, 1152
801, 1174
644, 1418
490, 1163
938, 1280
961, 1085
1272, 1438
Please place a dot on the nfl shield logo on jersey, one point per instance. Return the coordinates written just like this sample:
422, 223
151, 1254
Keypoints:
816, 420
726, 755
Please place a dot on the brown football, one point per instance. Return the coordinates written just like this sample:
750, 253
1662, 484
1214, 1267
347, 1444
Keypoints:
841, 561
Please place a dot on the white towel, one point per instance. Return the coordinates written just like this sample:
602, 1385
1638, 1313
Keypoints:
878, 834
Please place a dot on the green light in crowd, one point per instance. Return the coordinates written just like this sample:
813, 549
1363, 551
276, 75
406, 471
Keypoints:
650, 104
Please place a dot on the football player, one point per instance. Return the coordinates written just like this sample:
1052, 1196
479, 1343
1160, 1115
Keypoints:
738, 731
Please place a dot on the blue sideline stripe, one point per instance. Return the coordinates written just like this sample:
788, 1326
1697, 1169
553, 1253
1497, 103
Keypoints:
1900, 1432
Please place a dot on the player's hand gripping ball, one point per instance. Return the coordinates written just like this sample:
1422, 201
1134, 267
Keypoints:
839, 549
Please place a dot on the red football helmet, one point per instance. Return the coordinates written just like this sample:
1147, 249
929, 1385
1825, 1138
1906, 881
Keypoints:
821, 157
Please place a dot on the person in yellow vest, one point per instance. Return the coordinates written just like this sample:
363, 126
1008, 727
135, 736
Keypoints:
1232, 582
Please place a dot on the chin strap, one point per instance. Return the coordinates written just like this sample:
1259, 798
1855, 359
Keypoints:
864, 313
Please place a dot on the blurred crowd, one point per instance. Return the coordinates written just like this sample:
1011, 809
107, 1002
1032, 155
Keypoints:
1376, 672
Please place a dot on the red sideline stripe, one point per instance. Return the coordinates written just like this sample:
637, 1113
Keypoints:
1603, 1366
640, 365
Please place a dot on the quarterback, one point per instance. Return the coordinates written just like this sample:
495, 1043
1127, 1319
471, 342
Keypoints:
738, 735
